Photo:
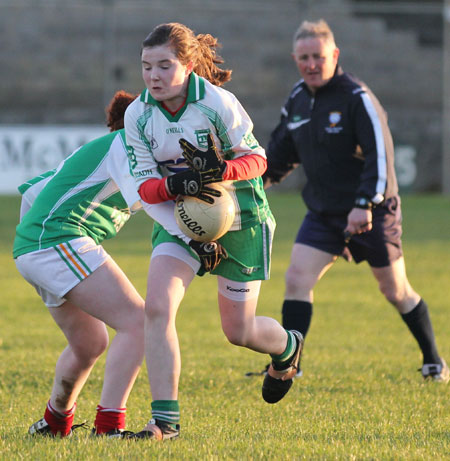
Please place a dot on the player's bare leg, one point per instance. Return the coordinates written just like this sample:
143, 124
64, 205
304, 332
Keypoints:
262, 334
243, 328
88, 339
306, 268
162, 351
394, 285
107, 294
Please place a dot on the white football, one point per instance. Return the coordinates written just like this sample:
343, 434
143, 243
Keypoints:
204, 222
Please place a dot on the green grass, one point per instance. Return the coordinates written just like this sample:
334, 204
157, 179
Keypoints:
360, 398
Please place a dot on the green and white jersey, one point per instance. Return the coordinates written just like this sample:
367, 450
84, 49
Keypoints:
91, 193
153, 136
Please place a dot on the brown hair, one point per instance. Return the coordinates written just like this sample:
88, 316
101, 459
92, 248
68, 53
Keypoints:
200, 49
115, 110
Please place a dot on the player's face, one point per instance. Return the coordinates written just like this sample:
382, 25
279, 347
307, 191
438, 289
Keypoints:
316, 60
164, 75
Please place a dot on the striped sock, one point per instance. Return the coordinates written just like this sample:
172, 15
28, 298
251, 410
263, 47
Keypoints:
282, 361
108, 419
167, 411
59, 422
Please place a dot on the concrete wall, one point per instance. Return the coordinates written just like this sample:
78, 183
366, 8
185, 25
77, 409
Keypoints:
62, 60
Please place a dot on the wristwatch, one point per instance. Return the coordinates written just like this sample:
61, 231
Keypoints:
363, 203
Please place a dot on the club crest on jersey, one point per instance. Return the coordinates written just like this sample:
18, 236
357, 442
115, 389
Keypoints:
202, 137
334, 118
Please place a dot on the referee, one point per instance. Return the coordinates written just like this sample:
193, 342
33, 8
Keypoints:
336, 128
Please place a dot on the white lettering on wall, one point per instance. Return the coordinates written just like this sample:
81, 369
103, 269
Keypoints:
405, 165
28, 150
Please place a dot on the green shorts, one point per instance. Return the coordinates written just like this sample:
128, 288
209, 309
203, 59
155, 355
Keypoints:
248, 251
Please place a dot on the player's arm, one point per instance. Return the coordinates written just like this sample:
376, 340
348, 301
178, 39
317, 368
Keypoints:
152, 187
143, 166
233, 152
118, 167
375, 140
282, 157
247, 166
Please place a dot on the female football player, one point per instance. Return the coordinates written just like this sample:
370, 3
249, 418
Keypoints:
172, 131
65, 216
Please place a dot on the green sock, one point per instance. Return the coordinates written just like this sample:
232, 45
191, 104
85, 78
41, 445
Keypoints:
167, 411
282, 361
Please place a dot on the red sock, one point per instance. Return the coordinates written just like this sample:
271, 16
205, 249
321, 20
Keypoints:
108, 419
59, 422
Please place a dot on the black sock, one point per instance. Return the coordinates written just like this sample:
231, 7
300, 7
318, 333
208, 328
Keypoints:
419, 323
297, 315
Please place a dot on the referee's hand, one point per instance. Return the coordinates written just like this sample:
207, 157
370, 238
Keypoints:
359, 221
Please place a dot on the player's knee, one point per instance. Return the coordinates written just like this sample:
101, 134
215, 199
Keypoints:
134, 318
236, 336
156, 309
87, 352
392, 293
298, 281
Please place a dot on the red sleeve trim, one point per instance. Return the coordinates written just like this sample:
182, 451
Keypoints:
246, 167
154, 191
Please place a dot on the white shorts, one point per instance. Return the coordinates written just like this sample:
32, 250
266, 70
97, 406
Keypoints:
56, 270
178, 252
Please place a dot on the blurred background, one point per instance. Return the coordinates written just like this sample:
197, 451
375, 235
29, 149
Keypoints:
61, 62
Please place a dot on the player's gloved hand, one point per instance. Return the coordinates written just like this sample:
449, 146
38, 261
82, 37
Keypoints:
200, 160
193, 183
210, 253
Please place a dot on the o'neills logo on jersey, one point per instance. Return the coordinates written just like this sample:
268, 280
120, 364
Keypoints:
174, 130
190, 223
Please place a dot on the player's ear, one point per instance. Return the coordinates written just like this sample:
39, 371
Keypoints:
189, 67
336, 53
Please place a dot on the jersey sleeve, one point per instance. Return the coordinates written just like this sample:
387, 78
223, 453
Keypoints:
154, 191
142, 163
119, 171
30, 190
374, 138
247, 167
282, 156
235, 130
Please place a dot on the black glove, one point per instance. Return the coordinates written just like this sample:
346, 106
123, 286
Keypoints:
210, 253
193, 183
200, 160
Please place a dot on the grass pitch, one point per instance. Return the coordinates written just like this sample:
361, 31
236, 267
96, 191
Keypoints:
361, 396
